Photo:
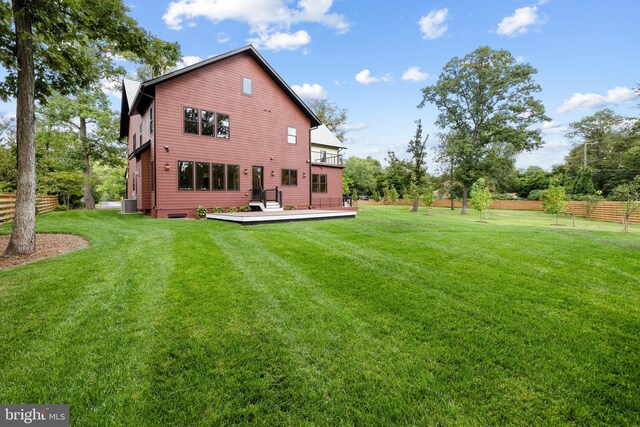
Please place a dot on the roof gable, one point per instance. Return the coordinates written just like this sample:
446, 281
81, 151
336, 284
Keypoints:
149, 85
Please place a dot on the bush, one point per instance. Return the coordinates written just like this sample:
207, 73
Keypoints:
291, 208
375, 196
232, 210
217, 209
506, 196
536, 195
201, 212
245, 208
61, 208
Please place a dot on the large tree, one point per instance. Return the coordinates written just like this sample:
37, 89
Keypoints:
51, 45
418, 150
331, 116
90, 118
606, 151
486, 103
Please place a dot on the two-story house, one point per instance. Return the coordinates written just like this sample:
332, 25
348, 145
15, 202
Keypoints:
226, 132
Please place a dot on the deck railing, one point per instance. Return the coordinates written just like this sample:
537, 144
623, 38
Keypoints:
327, 158
272, 195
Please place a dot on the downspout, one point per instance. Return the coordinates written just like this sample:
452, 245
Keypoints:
155, 146
310, 170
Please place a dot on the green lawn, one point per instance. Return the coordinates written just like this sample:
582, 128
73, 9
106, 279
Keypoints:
388, 319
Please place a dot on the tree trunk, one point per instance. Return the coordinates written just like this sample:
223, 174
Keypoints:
23, 232
464, 200
89, 202
415, 206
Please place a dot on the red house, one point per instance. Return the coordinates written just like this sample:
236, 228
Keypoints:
226, 132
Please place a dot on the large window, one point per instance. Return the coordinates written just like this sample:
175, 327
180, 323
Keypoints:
223, 126
190, 120
319, 183
291, 135
247, 86
289, 177
185, 175
233, 177
202, 176
218, 176
207, 123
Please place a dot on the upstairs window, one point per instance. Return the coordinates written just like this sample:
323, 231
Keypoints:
223, 126
185, 175
247, 86
191, 120
291, 135
134, 141
141, 127
151, 120
207, 126
289, 177
319, 183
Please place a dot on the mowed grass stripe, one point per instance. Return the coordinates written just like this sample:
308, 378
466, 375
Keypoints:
388, 319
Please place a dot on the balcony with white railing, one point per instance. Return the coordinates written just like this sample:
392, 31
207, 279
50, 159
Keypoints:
324, 158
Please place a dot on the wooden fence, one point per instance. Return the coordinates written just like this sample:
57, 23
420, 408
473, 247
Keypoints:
8, 205
604, 211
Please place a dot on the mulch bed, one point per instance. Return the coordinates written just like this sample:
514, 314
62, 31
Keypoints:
47, 246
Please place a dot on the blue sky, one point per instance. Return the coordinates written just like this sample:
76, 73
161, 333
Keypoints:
373, 58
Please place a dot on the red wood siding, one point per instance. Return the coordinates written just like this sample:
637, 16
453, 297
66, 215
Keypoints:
333, 196
258, 134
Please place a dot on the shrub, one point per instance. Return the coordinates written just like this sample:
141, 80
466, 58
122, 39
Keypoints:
62, 208
505, 196
536, 195
375, 196
291, 208
217, 209
554, 201
245, 208
232, 210
201, 212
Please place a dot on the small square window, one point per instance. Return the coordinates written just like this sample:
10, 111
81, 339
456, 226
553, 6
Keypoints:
289, 177
291, 135
247, 86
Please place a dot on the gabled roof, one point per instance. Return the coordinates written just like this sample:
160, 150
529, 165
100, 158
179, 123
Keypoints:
145, 87
129, 92
323, 136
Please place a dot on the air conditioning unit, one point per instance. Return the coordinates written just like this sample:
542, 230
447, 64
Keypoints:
129, 206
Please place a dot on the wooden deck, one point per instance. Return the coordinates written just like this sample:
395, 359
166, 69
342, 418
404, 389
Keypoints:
249, 218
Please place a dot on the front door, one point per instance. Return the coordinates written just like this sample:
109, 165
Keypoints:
257, 182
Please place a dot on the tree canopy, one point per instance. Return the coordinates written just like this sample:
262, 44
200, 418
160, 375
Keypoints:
487, 106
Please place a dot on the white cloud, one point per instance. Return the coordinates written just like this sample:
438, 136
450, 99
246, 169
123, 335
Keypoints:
433, 24
414, 74
520, 22
364, 77
347, 127
553, 127
281, 41
586, 101
111, 88
520, 59
187, 60
222, 37
269, 20
310, 91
